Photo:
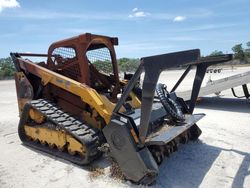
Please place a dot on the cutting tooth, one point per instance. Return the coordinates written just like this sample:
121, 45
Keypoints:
172, 149
159, 157
189, 135
160, 152
184, 138
167, 151
162, 156
175, 146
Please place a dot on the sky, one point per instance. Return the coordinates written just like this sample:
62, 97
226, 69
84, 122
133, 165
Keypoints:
144, 27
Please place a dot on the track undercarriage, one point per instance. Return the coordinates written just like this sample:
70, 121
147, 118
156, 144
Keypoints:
56, 132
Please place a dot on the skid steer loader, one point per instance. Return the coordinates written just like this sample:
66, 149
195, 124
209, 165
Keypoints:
71, 108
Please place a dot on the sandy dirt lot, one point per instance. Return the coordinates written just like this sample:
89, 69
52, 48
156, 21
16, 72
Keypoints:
220, 158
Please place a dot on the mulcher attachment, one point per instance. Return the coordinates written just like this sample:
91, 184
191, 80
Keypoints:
140, 139
137, 165
140, 163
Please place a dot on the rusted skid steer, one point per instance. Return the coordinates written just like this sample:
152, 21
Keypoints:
71, 109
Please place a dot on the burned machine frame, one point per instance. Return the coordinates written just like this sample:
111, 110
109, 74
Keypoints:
139, 128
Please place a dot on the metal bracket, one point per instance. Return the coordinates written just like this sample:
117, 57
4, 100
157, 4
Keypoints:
245, 90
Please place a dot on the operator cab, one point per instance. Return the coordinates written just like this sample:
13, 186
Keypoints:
102, 71
88, 59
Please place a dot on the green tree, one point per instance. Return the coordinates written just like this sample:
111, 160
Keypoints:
7, 68
248, 44
128, 65
247, 50
238, 52
124, 64
216, 52
103, 66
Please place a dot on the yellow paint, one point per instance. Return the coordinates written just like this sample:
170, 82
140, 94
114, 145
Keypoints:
74, 146
90, 119
21, 103
54, 137
134, 135
100, 103
136, 103
46, 77
36, 116
87, 94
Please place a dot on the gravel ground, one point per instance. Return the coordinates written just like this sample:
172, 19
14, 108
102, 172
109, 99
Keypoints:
220, 158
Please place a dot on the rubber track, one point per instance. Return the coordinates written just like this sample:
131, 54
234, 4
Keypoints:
87, 136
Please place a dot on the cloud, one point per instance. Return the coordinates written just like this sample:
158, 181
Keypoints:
138, 14
212, 27
135, 14
49, 15
135, 9
143, 48
8, 4
179, 18
184, 38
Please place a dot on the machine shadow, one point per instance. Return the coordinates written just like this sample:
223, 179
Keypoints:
244, 170
185, 168
225, 104
189, 166
101, 162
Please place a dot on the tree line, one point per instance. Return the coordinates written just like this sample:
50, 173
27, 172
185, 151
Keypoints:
7, 68
241, 53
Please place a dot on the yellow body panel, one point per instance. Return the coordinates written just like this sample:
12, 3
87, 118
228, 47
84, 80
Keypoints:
36, 116
57, 138
100, 103
91, 119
